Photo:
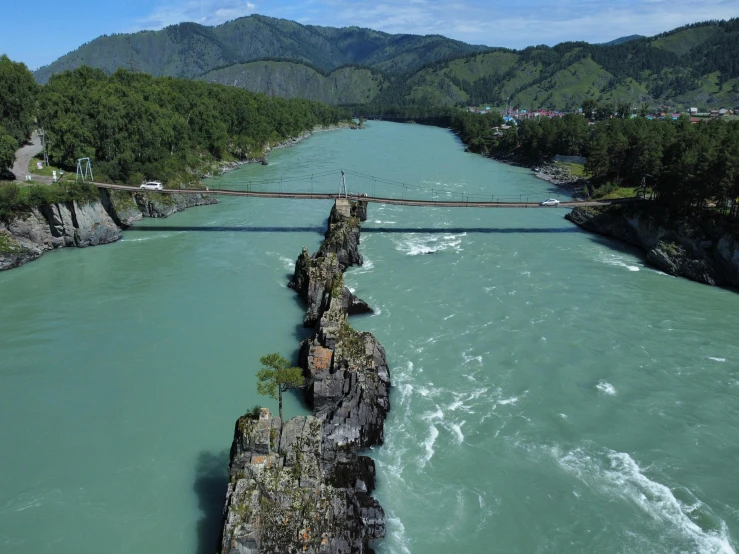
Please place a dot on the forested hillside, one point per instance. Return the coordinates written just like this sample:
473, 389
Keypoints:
191, 50
694, 65
347, 85
138, 127
691, 66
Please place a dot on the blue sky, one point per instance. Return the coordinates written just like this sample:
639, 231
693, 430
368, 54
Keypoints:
39, 32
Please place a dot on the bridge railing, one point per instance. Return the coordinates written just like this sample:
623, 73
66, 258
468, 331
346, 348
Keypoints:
326, 182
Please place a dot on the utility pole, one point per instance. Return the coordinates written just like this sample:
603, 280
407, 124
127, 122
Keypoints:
42, 135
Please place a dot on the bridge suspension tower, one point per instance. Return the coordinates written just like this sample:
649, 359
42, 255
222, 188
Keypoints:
342, 185
84, 170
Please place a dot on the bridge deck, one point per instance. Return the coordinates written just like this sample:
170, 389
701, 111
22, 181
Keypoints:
370, 199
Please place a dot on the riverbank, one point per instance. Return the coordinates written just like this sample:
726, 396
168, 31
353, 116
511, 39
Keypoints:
225, 167
701, 251
300, 485
560, 174
695, 250
27, 236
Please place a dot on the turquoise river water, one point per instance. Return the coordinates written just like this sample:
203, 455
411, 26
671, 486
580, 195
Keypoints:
551, 393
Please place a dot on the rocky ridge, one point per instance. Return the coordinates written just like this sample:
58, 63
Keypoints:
73, 224
701, 253
301, 486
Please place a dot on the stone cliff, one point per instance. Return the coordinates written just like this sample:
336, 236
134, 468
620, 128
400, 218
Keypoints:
52, 226
301, 486
703, 253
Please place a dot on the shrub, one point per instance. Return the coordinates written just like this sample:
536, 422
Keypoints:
253, 413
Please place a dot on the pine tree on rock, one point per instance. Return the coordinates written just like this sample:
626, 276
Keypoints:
276, 376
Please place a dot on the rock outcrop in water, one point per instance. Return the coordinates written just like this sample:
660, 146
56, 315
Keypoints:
53, 226
704, 254
302, 486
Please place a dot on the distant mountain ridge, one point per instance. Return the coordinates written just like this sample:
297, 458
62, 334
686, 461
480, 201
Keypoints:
695, 64
621, 40
190, 50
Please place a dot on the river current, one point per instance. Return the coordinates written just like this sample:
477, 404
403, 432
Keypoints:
552, 393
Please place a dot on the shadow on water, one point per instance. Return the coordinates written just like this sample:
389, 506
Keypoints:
211, 481
397, 230
230, 229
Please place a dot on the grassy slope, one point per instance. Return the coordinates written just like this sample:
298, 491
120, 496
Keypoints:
470, 69
684, 41
568, 87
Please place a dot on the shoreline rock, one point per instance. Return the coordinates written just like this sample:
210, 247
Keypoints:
701, 253
302, 486
72, 224
547, 171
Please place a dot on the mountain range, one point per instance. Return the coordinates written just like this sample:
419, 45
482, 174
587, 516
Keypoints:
696, 64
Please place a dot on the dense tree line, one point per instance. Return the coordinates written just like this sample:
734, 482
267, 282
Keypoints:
686, 165
135, 126
18, 93
474, 129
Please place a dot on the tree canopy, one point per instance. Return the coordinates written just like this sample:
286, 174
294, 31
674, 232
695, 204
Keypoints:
8, 146
137, 127
18, 92
277, 376
687, 164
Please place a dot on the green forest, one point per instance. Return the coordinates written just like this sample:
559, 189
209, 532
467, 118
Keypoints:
18, 92
138, 127
688, 66
686, 166
135, 127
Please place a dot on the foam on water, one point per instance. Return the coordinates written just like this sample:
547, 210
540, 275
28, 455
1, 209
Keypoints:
716, 359
429, 445
617, 474
606, 387
506, 401
396, 530
414, 244
456, 428
29, 501
156, 236
616, 260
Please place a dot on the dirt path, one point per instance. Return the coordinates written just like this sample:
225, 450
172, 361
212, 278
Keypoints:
24, 155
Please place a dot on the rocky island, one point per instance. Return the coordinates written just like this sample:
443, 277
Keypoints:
300, 485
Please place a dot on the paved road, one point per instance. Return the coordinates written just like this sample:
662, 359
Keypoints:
371, 199
24, 155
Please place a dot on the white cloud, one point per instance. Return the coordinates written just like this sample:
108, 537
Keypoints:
490, 22
527, 22
205, 12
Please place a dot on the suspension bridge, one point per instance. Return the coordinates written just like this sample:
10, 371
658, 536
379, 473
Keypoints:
312, 187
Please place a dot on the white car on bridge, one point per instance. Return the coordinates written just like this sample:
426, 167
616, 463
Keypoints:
151, 185
550, 202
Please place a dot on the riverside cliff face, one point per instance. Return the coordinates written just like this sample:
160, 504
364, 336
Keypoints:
301, 486
53, 226
702, 254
